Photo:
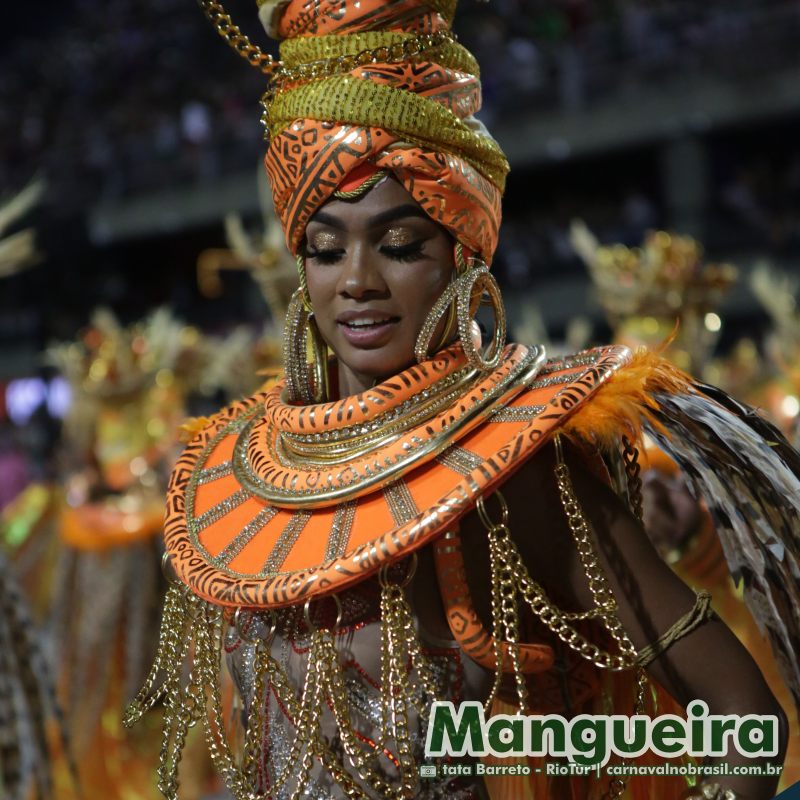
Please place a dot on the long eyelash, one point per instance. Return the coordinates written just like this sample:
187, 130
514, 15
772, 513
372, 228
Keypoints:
325, 256
408, 252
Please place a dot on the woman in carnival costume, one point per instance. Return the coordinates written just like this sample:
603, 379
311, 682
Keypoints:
129, 388
418, 518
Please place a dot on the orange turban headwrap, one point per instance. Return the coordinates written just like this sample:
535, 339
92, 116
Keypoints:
380, 85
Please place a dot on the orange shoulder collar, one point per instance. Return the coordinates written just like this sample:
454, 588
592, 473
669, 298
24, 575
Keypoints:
273, 504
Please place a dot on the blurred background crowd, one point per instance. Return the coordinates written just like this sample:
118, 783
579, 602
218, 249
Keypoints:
137, 132
113, 99
630, 114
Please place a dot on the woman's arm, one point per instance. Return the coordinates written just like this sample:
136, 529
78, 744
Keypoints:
708, 664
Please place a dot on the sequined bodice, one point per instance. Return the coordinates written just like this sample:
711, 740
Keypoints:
358, 644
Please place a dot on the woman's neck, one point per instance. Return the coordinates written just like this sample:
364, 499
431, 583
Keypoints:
346, 382
350, 382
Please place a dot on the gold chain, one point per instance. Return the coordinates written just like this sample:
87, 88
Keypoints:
395, 53
409, 49
238, 41
600, 588
616, 786
400, 648
167, 654
182, 706
505, 615
556, 620
510, 577
192, 632
630, 456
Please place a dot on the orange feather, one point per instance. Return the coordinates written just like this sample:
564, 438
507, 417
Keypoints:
625, 401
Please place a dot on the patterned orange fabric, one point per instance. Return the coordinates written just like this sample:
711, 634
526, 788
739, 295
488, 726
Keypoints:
309, 159
345, 16
247, 527
463, 619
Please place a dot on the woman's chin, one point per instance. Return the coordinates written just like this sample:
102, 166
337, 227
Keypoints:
374, 366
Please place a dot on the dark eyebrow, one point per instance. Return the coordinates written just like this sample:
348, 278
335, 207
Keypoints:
399, 212
390, 215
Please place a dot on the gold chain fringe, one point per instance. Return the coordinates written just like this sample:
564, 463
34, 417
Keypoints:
510, 578
238, 41
192, 634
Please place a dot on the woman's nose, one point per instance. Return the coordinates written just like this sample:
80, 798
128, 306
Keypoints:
360, 276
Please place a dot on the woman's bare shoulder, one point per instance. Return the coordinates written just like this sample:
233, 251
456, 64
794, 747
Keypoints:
537, 524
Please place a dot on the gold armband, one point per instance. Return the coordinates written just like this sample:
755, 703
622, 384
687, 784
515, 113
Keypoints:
689, 622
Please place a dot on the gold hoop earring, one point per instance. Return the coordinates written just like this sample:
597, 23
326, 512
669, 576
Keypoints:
482, 282
301, 272
305, 383
465, 290
461, 269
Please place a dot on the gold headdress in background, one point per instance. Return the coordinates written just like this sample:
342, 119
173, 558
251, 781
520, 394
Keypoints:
244, 362
647, 290
128, 385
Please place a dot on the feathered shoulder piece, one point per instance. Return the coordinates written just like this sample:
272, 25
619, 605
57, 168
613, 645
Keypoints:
738, 463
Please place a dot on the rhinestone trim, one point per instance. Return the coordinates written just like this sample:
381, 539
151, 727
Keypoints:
569, 362
285, 543
555, 380
214, 473
244, 537
218, 511
400, 502
517, 413
340, 530
233, 427
460, 460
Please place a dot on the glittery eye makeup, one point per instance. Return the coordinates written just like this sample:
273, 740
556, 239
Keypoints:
397, 243
324, 247
403, 243
399, 237
323, 240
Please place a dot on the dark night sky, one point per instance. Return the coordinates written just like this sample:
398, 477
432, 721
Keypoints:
35, 18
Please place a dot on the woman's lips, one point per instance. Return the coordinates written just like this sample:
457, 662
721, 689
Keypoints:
373, 334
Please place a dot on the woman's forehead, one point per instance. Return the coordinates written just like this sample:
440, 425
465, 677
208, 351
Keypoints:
384, 203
